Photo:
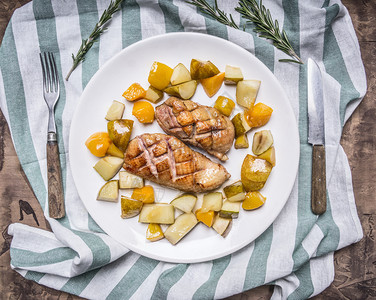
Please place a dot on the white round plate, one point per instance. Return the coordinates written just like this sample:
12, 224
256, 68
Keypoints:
132, 65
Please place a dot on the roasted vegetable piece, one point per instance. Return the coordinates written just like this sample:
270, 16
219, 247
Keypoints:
98, 143
262, 141
202, 69
230, 210
183, 224
185, 202
205, 217
134, 92
212, 201
254, 172
130, 207
240, 124
253, 200
144, 194
143, 111
269, 155
108, 166
246, 92
212, 84
154, 232
233, 75
241, 142
234, 192
153, 95
120, 132
258, 115
180, 74
159, 213
183, 90
130, 181
114, 151
224, 105
115, 111
109, 191
160, 75
222, 226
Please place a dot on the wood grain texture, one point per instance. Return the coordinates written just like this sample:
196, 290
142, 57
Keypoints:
355, 266
56, 205
318, 190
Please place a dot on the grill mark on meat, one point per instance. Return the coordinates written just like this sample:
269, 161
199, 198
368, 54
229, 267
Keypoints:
171, 161
149, 157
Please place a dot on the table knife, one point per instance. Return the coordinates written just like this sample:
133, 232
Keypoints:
316, 137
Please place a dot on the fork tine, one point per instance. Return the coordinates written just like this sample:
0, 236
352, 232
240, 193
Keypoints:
43, 70
54, 71
48, 72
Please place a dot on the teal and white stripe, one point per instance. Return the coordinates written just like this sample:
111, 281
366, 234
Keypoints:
295, 253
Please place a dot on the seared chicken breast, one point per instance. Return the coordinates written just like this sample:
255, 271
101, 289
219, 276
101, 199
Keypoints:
198, 125
166, 160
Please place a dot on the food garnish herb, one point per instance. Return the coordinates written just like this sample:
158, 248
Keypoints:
95, 34
257, 14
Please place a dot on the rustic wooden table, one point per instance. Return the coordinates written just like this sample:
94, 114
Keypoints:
355, 266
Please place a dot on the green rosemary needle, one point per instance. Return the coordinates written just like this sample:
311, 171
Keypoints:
214, 12
95, 34
266, 27
260, 16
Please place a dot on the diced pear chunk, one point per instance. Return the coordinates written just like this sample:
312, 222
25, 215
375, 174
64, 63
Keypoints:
115, 112
230, 210
262, 141
159, 213
130, 207
114, 151
269, 155
235, 192
109, 191
185, 202
180, 74
183, 90
246, 92
241, 142
153, 95
240, 124
212, 201
222, 226
183, 224
233, 75
108, 166
130, 181
202, 69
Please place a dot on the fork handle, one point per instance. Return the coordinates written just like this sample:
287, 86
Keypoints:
55, 187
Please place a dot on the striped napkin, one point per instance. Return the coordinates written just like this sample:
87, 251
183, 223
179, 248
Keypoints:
295, 253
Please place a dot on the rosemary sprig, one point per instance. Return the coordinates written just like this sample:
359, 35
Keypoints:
95, 34
214, 12
266, 27
260, 16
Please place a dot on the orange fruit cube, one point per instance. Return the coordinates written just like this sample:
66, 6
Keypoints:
212, 84
205, 217
253, 200
98, 143
143, 111
144, 194
259, 115
134, 92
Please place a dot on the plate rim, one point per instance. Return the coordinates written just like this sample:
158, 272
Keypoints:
295, 133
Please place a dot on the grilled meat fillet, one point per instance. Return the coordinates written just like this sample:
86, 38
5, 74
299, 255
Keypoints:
168, 161
198, 125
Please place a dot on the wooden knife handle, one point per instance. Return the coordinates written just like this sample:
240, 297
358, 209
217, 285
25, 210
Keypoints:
55, 184
318, 192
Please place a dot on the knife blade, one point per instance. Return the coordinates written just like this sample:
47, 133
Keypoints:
316, 137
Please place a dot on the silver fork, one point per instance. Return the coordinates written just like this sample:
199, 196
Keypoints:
51, 92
